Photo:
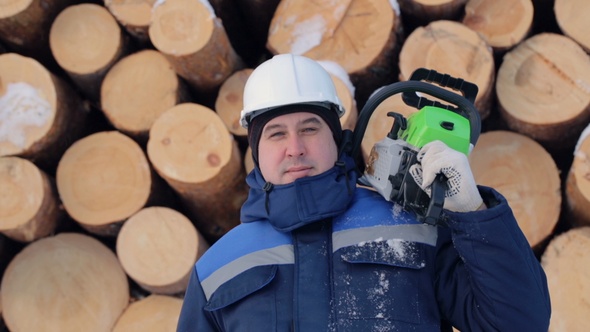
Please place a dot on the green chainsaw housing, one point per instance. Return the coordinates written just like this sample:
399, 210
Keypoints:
433, 123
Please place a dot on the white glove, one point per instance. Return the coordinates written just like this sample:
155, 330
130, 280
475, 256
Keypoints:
435, 158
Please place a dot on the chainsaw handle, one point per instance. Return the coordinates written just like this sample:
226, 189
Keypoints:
437, 200
413, 86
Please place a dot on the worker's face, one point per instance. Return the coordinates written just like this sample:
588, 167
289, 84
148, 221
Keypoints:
295, 145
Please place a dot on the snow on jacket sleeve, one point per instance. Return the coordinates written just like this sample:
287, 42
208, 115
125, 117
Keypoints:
488, 276
192, 315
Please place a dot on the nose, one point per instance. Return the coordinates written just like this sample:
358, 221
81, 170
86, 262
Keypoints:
295, 146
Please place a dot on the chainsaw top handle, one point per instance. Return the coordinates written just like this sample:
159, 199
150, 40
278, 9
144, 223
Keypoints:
464, 103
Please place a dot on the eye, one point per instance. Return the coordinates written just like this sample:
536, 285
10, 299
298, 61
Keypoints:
309, 130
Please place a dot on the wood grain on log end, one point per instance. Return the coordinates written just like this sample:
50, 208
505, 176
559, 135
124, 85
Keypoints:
543, 89
138, 89
503, 23
158, 248
86, 41
362, 36
102, 180
566, 262
29, 204
526, 174
192, 149
578, 183
154, 313
452, 48
572, 22
72, 282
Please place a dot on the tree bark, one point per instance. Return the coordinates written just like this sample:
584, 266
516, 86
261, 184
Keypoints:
571, 22
86, 42
194, 40
158, 248
362, 36
42, 114
565, 263
154, 313
133, 16
578, 183
526, 174
451, 48
503, 23
72, 282
103, 179
192, 149
29, 203
138, 89
543, 90
25, 25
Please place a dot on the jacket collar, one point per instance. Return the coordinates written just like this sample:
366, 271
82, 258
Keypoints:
306, 200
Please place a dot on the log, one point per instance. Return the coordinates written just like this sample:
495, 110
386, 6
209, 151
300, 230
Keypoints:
362, 36
543, 90
192, 150
72, 282
452, 48
422, 12
526, 174
41, 113
158, 248
138, 89
25, 25
345, 92
30, 207
229, 102
571, 23
103, 179
154, 313
133, 16
86, 42
248, 161
578, 183
503, 23
195, 42
566, 262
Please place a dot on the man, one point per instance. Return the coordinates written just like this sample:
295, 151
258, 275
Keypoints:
314, 252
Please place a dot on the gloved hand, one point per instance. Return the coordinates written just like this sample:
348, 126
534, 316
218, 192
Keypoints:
436, 157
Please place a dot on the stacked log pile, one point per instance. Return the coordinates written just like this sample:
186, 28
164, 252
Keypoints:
122, 161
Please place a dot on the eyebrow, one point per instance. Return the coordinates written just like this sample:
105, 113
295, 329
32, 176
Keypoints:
311, 119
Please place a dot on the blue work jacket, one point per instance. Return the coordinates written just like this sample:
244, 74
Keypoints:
372, 268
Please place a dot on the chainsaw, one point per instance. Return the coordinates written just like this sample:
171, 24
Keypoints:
452, 119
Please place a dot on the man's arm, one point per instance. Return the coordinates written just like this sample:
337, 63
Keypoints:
192, 315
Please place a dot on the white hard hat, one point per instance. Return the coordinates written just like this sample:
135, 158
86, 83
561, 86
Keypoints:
288, 79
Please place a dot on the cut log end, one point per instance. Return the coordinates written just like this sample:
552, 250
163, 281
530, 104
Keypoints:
158, 247
153, 313
137, 90
451, 48
85, 38
514, 165
103, 179
229, 102
195, 128
65, 278
28, 97
566, 263
578, 184
574, 25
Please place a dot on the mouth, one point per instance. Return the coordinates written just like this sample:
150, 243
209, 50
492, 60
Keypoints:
299, 170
